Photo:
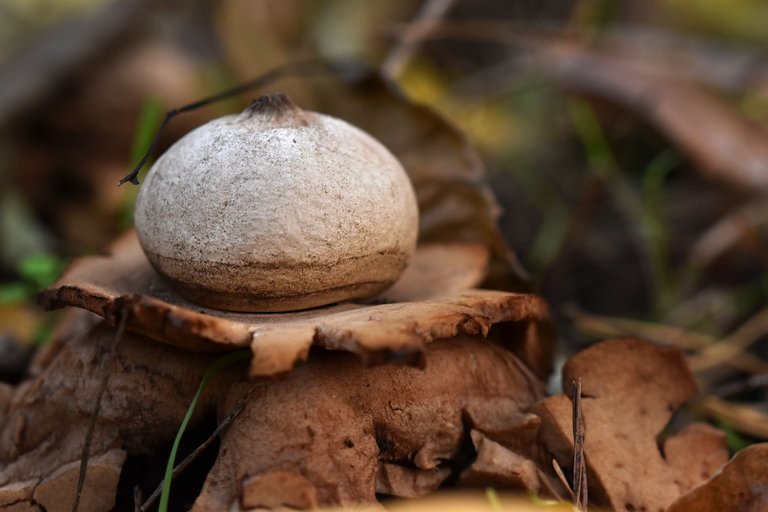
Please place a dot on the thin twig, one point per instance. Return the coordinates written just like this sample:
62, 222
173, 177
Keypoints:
493, 499
234, 413
746, 418
307, 66
548, 484
735, 345
106, 371
753, 382
522, 34
579, 464
727, 232
430, 14
137, 498
676, 337
562, 478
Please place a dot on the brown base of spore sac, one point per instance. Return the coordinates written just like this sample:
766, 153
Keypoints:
273, 289
244, 303
332, 432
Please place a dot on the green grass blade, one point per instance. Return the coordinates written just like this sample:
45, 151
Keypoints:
654, 229
213, 370
493, 499
150, 116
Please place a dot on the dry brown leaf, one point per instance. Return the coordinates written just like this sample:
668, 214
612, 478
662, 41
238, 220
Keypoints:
376, 332
723, 142
408, 482
499, 467
741, 486
57, 491
701, 438
18, 496
630, 390
518, 435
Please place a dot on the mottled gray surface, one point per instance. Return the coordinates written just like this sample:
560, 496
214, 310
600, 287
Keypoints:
277, 209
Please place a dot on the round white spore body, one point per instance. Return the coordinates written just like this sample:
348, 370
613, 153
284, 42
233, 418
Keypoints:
277, 209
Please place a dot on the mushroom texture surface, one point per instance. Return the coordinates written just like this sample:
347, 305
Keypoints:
277, 209
331, 432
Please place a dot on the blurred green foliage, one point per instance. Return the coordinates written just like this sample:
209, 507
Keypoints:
214, 369
150, 117
20, 20
734, 440
35, 272
734, 20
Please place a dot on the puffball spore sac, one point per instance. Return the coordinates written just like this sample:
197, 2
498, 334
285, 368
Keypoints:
277, 209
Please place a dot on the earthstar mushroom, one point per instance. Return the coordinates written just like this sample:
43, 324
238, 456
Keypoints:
277, 209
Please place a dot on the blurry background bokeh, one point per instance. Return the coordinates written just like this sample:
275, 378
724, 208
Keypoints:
625, 141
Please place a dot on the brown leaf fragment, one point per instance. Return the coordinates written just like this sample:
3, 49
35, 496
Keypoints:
21, 506
408, 481
278, 489
630, 390
57, 491
523, 339
502, 421
697, 446
740, 486
396, 331
499, 467
18, 493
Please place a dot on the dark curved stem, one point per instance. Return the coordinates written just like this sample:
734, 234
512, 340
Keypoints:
308, 66
133, 176
236, 410
106, 370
